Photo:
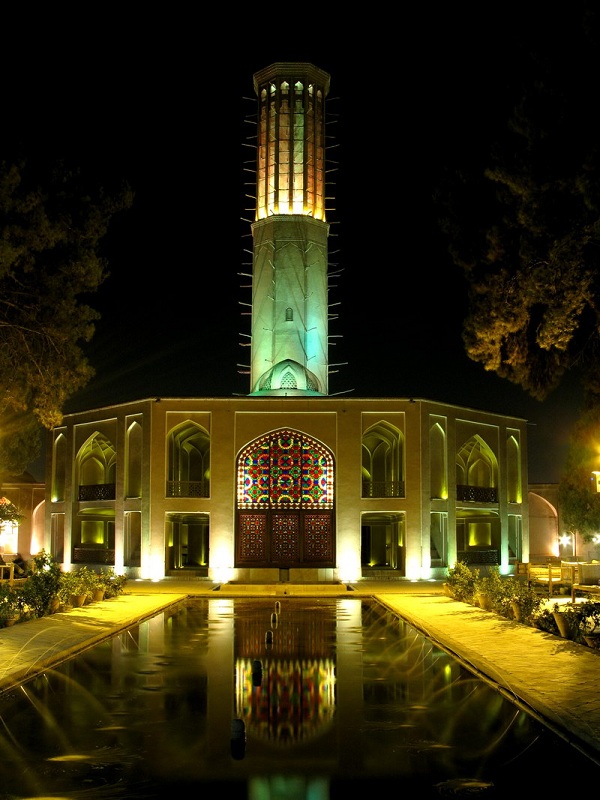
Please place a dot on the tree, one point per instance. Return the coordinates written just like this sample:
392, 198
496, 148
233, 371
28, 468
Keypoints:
521, 215
9, 512
52, 223
578, 498
523, 225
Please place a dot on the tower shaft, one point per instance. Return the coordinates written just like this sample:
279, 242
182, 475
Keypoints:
289, 353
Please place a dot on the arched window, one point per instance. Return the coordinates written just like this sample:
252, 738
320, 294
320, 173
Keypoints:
133, 460
285, 502
97, 465
285, 469
189, 461
383, 461
476, 472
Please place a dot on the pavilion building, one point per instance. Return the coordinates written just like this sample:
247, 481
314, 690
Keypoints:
288, 483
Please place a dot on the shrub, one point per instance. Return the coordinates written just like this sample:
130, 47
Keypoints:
527, 599
583, 618
112, 583
496, 589
544, 620
76, 582
462, 580
465, 583
84, 580
9, 603
41, 587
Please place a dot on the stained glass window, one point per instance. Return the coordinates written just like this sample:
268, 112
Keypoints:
285, 469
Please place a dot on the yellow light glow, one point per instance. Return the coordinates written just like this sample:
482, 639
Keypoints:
153, 568
222, 574
413, 569
9, 536
349, 569
221, 569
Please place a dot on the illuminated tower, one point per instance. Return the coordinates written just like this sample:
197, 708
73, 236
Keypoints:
289, 354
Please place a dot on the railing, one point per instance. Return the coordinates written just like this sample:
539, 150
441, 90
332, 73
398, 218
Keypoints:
188, 488
383, 488
478, 556
93, 555
477, 494
97, 491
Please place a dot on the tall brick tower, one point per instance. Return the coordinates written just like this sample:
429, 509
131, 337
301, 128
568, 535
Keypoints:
289, 337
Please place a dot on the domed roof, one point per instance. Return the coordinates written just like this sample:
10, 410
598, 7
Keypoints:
287, 377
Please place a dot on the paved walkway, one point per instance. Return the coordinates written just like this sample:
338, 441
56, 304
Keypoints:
555, 679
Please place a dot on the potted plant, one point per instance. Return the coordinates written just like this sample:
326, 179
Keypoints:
491, 591
98, 591
39, 593
112, 583
524, 602
76, 586
460, 583
10, 611
579, 621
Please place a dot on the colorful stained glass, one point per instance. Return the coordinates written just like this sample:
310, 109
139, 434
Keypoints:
285, 469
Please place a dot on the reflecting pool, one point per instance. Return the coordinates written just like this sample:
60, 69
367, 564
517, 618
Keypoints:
298, 699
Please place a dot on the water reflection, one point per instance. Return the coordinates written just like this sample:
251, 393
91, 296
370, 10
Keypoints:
312, 699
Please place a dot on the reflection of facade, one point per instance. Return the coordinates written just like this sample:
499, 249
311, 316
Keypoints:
285, 670
288, 483
295, 700
150, 713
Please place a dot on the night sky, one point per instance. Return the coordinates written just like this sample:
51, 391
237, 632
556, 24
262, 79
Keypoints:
162, 102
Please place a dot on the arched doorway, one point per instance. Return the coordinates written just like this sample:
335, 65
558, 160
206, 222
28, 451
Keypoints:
285, 503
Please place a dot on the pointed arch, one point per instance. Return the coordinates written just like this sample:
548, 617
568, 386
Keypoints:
59, 466
383, 461
133, 460
93, 528
476, 471
513, 466
285, 502
188, 469
439, 462
96, 465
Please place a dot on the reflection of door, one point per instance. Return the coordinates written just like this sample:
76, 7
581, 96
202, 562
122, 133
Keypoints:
382, 540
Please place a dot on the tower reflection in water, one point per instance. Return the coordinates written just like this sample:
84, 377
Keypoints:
309, 699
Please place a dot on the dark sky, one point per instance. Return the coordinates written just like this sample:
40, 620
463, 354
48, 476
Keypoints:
162, 101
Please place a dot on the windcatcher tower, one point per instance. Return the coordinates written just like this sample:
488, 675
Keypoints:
289, 337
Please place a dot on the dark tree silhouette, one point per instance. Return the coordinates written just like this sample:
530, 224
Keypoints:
521, 216
51, 226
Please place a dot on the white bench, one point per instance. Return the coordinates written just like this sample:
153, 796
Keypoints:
588, 580
549, 575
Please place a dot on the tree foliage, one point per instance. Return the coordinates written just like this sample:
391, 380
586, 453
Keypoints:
523, 224
9, 512
52, 223
578, 498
